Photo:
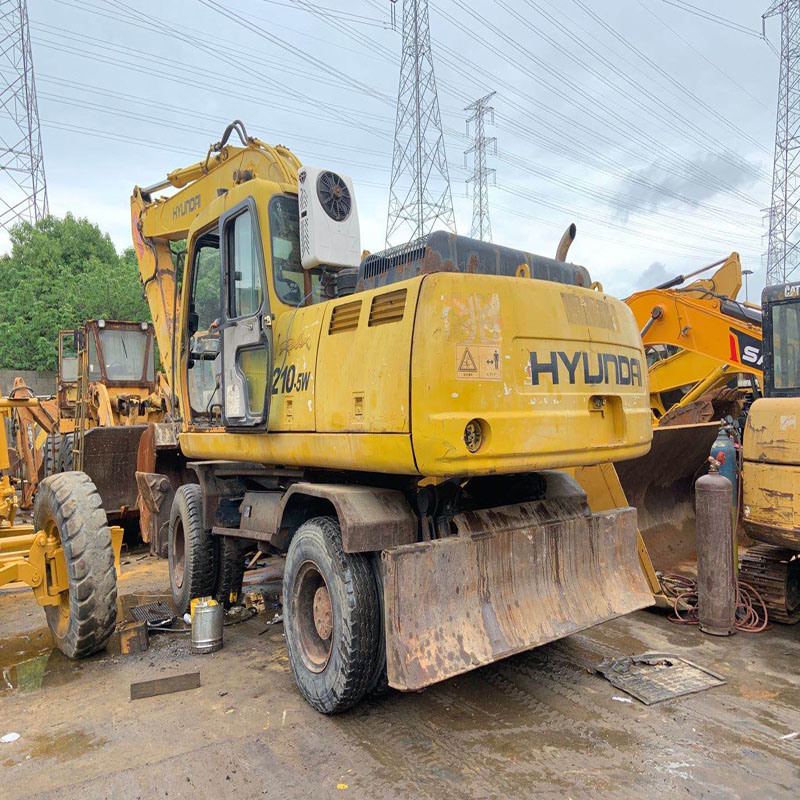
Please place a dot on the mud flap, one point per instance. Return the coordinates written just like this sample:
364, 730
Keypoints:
109, 459
512, 578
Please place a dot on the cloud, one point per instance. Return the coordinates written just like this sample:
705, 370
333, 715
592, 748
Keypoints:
654, 275
664, 184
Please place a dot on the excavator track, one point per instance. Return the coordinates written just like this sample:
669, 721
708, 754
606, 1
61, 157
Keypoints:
775, 573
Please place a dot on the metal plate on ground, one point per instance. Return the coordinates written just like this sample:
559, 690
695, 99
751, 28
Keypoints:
154, 613
654, 677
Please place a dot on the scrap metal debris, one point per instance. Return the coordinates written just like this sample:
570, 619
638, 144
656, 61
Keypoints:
654, 677
158, 613
175, 683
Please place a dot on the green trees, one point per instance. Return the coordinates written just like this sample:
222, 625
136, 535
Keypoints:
61, 272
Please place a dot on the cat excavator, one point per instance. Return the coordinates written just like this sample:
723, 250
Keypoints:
398, 426
771, 461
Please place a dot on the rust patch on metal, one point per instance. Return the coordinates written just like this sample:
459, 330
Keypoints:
514, 577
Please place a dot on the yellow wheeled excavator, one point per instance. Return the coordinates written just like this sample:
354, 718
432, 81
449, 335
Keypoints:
396, 425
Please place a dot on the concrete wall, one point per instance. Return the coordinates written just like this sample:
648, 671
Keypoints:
42, 383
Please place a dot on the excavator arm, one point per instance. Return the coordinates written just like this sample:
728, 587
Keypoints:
717, 336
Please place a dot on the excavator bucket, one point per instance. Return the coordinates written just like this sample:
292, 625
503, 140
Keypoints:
109, 459
511, 578
660, 485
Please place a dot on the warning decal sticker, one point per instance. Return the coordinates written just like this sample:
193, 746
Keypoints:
478, 362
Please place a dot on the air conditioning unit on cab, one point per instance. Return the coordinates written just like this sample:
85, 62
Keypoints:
329, 232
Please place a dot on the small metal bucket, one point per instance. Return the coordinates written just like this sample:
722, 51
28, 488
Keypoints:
207, 622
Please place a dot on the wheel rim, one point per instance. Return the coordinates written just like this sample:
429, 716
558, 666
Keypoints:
61, 625
313, 617
178, 554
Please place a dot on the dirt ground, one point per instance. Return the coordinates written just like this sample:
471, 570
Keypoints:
535, 725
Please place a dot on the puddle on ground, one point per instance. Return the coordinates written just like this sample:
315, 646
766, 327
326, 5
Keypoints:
31, 661
61, 746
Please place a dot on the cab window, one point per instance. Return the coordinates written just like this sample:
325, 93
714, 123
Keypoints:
293, 284
204, 311
246, 292
69, 357
786, 345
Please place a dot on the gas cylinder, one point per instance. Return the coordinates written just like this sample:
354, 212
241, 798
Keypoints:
730, 466
716, 569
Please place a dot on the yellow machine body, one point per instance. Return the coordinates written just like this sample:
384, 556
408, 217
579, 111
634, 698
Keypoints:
771, 472
396, 397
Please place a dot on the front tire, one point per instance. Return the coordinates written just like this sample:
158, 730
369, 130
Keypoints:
69, 507
331, 617
190, 549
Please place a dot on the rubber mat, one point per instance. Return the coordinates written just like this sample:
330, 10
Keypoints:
655, 677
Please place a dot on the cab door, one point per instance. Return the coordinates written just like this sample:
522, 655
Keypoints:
246, 327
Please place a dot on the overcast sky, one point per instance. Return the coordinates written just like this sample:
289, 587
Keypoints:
648, 126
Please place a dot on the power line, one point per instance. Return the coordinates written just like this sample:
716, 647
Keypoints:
701, 12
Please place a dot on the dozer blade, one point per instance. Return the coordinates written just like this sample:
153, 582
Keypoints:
109, 459
660, 485
513, 578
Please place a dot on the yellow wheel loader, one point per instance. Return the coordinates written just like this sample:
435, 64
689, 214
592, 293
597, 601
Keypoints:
69, 555
771, 469
397, 426
109, 393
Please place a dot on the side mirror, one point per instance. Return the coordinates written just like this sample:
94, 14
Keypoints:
193, 323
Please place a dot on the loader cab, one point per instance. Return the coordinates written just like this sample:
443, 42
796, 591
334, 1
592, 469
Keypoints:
781, 321
120, 355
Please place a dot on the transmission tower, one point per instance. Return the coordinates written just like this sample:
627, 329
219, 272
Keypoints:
481, 224
23, 189
419, 194
783, 257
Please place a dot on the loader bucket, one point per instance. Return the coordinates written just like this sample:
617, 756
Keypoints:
109, 459
660, 485
512, 578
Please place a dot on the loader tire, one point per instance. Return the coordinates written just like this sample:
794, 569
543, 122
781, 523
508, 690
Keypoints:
230, 574
66, 455
69, 506
331, 617
52, 451
190, 549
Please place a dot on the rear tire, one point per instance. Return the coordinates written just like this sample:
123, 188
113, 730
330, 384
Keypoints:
52, 451
190, 549
66, 455
379, 683
230, 575
68, 505
331, 617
